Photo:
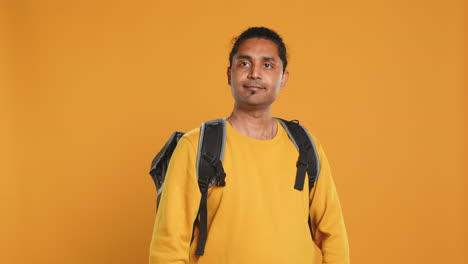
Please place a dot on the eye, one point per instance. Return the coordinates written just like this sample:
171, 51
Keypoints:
268, 65
244, 64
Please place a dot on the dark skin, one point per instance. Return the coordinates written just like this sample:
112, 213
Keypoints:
256, 76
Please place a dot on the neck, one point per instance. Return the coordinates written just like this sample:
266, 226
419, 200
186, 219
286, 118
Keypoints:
258, 124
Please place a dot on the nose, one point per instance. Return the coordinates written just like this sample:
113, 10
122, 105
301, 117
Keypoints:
254, 72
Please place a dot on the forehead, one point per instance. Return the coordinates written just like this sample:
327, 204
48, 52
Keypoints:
258, 47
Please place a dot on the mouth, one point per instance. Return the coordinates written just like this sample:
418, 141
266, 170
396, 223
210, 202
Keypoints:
253, 87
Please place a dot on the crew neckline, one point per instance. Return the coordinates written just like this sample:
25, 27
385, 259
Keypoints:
234, 132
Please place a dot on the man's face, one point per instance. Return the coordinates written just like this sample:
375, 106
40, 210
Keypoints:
256, 73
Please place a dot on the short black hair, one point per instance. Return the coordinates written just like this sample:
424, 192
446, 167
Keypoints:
264, 33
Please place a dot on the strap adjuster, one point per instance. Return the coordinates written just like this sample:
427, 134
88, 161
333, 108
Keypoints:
216, 164
300, 163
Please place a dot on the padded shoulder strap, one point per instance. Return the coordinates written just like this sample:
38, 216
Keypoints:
308, 157
211, 147
209, 170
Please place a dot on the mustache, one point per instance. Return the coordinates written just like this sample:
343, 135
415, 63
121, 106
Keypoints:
252, 83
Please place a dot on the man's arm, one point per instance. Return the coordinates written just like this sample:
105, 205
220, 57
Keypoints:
178, 208
327, 222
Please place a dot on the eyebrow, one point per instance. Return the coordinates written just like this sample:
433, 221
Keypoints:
265, 58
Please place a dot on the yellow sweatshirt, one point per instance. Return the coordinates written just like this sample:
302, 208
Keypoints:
258, 217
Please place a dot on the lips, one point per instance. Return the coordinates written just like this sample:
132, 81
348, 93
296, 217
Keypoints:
253, 87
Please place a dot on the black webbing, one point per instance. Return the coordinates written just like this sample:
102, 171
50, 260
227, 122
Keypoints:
210, 168
203, 224
301, 169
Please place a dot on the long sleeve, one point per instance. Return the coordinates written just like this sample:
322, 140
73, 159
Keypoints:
327, 222
178, 208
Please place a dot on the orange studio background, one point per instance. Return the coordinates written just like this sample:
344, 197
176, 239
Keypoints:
90, 91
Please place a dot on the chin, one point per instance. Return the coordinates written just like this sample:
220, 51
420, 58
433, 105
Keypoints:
256, 103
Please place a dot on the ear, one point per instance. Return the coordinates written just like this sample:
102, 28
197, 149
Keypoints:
284, 79
228, 72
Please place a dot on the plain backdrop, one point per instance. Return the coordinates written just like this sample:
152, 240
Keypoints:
91, 90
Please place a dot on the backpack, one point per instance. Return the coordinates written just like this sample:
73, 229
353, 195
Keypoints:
210, 169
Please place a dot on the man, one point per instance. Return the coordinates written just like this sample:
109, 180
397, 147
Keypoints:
257, 217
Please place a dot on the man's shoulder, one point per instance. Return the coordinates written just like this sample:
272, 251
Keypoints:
309, 129
311, 133
315, 140
192, 136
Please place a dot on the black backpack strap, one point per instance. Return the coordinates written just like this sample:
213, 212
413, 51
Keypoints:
308, 157
209, 170
161, 162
